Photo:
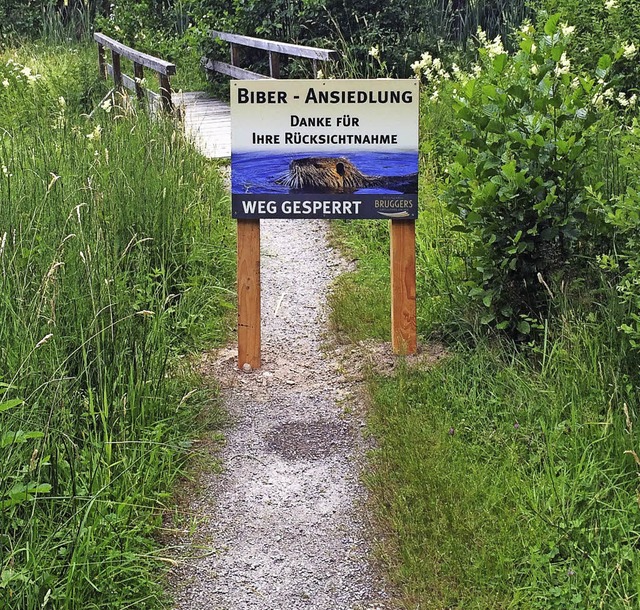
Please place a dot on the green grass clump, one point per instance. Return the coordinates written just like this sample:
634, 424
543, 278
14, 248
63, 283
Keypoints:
116, 256
505, 484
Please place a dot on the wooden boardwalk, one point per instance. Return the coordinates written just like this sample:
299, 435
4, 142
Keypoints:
207, 121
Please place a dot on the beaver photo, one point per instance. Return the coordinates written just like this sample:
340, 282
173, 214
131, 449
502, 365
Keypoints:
339, 175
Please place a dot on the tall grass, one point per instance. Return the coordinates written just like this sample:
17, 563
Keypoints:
115, 256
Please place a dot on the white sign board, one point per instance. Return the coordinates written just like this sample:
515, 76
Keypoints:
324, 148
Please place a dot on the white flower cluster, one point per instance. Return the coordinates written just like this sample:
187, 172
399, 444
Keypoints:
431, 68
18, 73
95, 134
492, 47
627, 102
611, 5
629, 50
563, 66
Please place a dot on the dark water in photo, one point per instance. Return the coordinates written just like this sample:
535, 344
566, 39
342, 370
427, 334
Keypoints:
257, 172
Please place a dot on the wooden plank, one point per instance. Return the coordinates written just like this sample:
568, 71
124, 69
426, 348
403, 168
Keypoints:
285, 48
159, 65
207, 122
249, 293
403, 287
274, 64
234, 71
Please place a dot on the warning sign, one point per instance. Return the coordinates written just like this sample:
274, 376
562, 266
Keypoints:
324, 149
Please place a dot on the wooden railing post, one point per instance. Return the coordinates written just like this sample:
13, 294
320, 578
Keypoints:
274, 64
102, 66
138, 73
235, 54
117, 70
165, 92
140, 60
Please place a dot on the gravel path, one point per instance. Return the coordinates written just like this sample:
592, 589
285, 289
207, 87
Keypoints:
284, 525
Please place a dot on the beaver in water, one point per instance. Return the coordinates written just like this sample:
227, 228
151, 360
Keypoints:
339, 175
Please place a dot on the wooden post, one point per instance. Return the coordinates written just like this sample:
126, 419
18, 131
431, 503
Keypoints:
403, 287
138, 73
235, 55
249, 293
117, 71
102, 66
165, 92
274, 64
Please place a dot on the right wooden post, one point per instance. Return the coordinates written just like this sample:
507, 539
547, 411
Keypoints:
404, 338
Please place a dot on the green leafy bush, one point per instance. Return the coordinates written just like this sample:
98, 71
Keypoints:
517, 184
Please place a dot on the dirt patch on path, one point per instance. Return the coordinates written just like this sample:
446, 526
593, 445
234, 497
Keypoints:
283, 527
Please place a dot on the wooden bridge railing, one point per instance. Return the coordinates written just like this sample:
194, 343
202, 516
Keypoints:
275, 49
164, 69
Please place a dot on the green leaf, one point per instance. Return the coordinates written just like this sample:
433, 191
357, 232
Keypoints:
10, 404
491, 92
4, 387
604, 63
21, 493
526, 44
17, 437
486, 301
460, 229
465, 114
495, 126
519, 92
551, 26
500, 62
524, 327
509, 169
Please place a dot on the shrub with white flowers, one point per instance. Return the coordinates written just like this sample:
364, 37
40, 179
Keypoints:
518, 180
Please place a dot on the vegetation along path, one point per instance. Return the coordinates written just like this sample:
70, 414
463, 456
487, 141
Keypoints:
283, 526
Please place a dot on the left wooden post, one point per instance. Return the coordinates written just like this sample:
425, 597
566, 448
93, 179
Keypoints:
117, 70
249, 293
102, 64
